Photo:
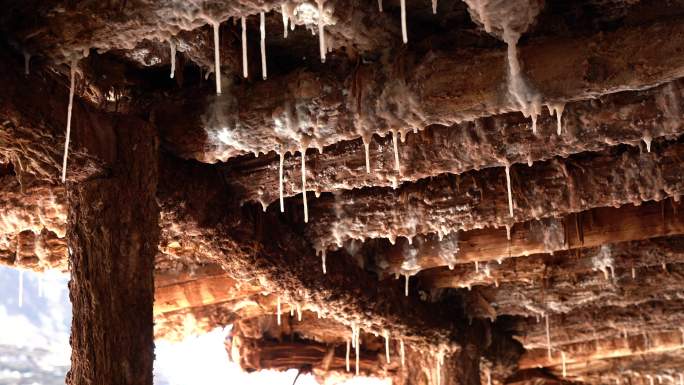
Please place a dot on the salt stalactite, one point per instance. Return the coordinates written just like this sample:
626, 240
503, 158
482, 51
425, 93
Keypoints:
402, 353
27, 59
172, 45
21, 288
68, 127
347, 356
548, 337
510, 193
291, 311
283, 10
278, 310
385, 334
217, 58
321, 31
477, 267
366, 147
356, 331
681, 378
633, 273
404, 34
557, 109
299, 311
489, 377
245, 64
380, 5
565, 372
280, 181
647, 140
508, 230
325, 271
440, 362
262, 31
434, 7
395, 145
406, 285
528, 100
306, 207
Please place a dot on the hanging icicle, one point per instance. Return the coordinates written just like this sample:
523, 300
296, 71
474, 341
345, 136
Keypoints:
402, 353
262, 31
548, 337
278, 310
306, 207
245, 64
406, 285
325, 270
510, 193
366, 147
280, 181
404, 34
321, 31
283, 11
385, 334
68, 128
217, 58
395, 144
172, 45
347, 355
565, 372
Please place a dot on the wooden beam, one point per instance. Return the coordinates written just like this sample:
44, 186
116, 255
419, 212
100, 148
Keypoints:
591, 228
438, 88
487, 142
647, 343
478, 199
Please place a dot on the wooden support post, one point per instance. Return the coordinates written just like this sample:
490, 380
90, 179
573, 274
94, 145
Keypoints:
113, 232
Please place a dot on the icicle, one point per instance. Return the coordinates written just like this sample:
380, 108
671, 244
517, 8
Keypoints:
404, 34
558, 108
245, 66
548, 337
402, 353
21, 288
217, 58
510, 194
366, 146
347, 356
380, 5
325, 271
321, 31
563, 363
434, 7
27, 59
283, 10
358, 349
278, 310
397, 166
68, 128
647, 139
262, 31
440, 361
172, 45
280, 181
406, 285
299, 311
306, 207
385, 334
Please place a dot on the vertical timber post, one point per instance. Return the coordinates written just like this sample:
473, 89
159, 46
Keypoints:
113, 233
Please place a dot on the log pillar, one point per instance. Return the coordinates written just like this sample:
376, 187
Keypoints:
113, 234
